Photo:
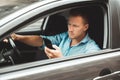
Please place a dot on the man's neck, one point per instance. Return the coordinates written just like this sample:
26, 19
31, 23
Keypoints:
77, 40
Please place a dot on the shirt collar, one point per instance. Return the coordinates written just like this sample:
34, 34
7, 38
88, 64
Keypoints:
84, 40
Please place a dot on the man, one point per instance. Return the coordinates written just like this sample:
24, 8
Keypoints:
75, 41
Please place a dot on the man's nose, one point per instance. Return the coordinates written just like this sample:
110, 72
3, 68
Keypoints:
70, 28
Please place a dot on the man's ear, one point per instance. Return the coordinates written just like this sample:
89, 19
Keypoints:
86, 27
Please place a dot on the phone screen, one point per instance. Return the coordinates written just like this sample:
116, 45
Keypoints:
48, 43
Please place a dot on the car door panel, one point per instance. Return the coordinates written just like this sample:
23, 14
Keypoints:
71, 69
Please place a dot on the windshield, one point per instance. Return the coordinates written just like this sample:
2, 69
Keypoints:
9, 6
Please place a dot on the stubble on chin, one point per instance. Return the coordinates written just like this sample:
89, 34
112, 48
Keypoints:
71, 35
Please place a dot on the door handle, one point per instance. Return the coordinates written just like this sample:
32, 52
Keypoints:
112, 76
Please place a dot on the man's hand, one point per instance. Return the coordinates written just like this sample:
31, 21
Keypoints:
13, 36
53, 53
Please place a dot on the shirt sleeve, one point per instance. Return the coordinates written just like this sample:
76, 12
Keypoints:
55, 39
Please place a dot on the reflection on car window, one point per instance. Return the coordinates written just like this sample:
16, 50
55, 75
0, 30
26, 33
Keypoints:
33, 27
8, 7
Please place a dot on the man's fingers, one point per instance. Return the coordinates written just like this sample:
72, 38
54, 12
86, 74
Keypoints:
56, 47
5, 40
51, 53
13, 36
48, 52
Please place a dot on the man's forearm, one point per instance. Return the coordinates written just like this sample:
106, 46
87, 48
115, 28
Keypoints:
31, 40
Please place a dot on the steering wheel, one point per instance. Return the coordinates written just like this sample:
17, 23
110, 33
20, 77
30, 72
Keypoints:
16, 50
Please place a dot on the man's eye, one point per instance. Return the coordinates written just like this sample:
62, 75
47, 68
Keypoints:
75, 26
69, 24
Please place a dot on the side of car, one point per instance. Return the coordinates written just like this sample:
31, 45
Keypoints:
104, 29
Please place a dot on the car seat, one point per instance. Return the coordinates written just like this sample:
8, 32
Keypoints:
96, 25
56, 24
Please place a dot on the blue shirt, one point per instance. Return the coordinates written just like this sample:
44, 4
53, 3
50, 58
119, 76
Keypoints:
63, 41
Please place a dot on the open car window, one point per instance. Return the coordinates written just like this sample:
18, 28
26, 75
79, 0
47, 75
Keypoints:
36, 26
52, 24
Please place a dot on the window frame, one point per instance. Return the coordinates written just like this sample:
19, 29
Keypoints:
47, 62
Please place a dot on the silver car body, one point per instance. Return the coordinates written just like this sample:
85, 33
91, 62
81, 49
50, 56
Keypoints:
88, 67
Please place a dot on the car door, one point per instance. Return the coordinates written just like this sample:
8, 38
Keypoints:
77, 67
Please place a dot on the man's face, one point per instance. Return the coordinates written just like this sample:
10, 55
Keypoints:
76, 27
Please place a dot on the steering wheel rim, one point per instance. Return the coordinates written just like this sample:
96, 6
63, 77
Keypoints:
12, 43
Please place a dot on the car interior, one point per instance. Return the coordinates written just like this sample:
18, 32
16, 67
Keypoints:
96, 24
56, 23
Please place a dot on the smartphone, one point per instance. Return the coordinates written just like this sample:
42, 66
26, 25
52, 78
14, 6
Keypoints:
48, 43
